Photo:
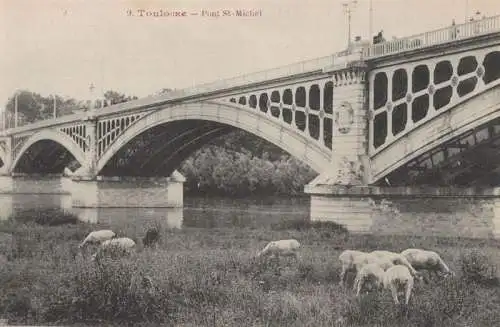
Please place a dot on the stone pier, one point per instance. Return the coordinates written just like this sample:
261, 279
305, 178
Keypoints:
131, 192
422, 211
33, 184
44, 191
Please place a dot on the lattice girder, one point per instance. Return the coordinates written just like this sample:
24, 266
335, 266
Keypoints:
78, 134
406, 96
308, 106
109, 129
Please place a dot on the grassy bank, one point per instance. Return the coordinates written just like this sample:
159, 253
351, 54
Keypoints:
204, 277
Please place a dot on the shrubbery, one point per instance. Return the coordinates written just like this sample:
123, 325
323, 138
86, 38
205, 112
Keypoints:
218, 170
478, 268
211, 277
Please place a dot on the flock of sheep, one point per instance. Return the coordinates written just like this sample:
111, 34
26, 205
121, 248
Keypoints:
108, 240
383, 269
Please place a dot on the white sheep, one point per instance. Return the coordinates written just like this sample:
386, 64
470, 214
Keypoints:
427, 260
123, 244
98, 236
374, 272
397, 277
348, 260
397, 259
281, 248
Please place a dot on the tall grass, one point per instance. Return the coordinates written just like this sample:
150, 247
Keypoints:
198, 277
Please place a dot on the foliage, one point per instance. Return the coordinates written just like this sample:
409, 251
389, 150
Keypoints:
115, 97
478, 268
211, 277
218, 170
308, 224
33, 107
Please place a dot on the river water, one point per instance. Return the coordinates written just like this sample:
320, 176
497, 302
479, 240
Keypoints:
201, 212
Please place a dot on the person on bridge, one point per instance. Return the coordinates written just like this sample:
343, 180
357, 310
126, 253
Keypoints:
379, 38
454, 30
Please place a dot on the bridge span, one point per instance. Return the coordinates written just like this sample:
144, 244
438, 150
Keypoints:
412, 119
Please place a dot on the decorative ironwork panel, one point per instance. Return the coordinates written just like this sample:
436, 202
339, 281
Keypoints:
78, 133
108, 130
307, 106
405, 96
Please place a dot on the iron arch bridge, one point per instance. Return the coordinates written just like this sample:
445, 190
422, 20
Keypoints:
415, 110
155, 142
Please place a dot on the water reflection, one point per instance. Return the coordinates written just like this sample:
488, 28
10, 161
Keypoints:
10, 203
197, 212
166, 217
253, 212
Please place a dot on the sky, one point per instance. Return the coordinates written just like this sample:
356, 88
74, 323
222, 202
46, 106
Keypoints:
60, 47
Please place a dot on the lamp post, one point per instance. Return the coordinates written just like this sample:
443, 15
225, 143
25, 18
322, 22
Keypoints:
370, 35
348, 8
92, 100
4, 116
55, 106
15, 109
466, 10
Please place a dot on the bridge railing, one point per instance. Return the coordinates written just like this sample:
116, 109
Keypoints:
261, 76
297, 68
440, 36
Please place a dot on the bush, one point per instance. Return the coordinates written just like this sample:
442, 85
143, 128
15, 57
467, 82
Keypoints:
199, 277
478, 268
305, 224
46, 217
109, 290
17, 304
437, 305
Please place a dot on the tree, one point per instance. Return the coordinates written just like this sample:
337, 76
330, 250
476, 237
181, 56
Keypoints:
29, 105
66, 106
165, 90
116, 97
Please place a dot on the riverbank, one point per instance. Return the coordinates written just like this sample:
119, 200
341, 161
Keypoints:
209, 277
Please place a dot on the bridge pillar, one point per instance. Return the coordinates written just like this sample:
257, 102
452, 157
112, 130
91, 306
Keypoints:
350, 162
42, 191
421, 211
134, 192
5, 154
88, 167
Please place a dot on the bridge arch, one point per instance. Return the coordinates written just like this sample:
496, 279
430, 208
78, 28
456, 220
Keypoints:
465, 116
57, 137
2, 157
286, 137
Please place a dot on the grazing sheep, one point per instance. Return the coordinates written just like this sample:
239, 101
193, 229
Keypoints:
397, 277
98, 236
152, 236
361, 261
370, 272
427, 260
397, 259
281, 248
347, 258
121, 244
